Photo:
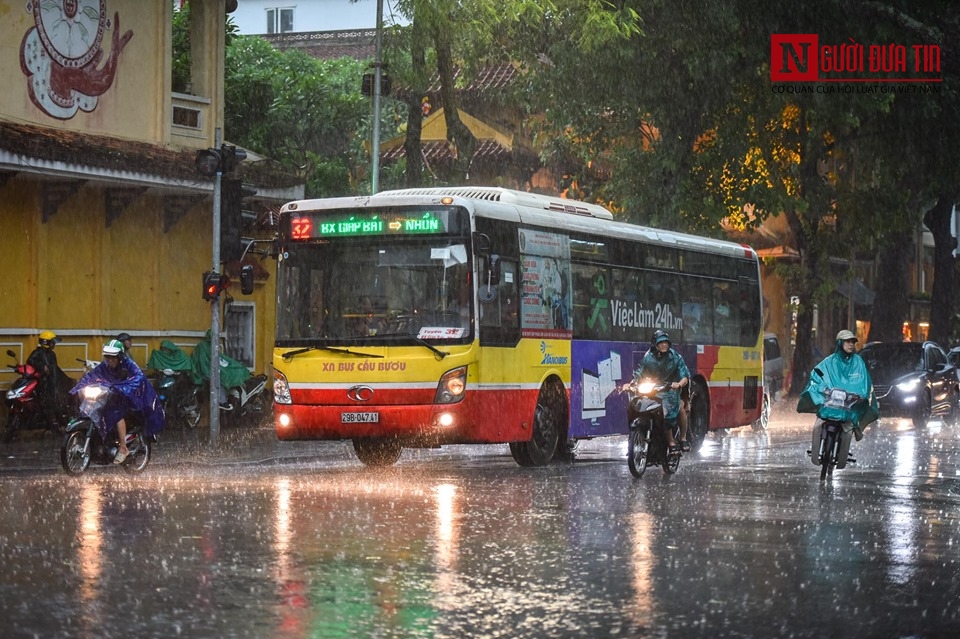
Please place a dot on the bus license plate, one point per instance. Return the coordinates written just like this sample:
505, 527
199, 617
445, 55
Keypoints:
359, 418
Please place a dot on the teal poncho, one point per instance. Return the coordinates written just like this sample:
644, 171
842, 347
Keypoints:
845, 371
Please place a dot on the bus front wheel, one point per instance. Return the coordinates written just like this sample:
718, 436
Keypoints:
377, 452
547, 417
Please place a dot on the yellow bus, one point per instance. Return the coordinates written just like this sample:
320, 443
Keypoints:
424, 317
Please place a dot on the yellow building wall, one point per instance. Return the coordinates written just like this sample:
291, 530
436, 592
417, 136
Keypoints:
128, 108
87, 281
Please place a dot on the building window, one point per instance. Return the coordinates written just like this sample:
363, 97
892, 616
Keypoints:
279, 20
239, 322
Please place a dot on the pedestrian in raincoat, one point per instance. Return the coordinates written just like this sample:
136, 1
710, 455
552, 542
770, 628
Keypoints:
846, 370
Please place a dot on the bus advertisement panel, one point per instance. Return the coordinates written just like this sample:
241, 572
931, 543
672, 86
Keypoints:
483, 315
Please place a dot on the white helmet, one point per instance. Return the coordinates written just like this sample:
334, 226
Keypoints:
113, 348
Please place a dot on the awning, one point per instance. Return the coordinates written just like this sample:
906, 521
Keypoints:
856, 290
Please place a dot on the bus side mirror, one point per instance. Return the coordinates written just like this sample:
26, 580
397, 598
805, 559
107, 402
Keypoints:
482, 244
246, 279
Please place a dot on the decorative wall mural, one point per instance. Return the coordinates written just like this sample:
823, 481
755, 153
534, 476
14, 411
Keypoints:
61, 56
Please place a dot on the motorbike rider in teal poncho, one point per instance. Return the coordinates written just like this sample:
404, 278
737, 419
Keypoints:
846, 370
664, 365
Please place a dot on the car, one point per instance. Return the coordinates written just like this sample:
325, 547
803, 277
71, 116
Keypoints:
953, 356
914, 380
772, 378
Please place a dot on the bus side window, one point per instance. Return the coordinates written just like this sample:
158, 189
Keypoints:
500, 318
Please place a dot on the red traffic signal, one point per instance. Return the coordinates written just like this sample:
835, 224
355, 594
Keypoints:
213, 285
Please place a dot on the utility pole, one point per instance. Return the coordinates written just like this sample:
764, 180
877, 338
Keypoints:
377, 76
215, 305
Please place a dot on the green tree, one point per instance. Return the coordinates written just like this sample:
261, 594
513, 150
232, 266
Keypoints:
306, 113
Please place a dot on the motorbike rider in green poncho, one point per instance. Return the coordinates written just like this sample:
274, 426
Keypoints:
843, 369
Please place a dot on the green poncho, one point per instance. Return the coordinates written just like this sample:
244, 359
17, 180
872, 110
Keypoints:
845, 371
232, 372
169, 356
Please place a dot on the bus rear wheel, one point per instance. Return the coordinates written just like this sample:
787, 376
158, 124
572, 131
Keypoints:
699, 418
547, 424
377, 453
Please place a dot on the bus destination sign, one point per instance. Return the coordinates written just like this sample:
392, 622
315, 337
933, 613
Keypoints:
366, 223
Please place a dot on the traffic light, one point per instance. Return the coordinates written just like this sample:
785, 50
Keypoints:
223, 160
246, 279
213, 285
232, 193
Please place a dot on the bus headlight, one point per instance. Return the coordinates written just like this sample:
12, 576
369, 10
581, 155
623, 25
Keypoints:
281, 389
451, 387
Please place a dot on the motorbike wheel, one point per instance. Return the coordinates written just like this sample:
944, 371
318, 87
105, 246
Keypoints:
671, 463
190, 414
14, 424
638, 445
74, 459
826, 460
139, 456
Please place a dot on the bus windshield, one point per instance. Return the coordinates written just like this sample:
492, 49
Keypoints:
351, 291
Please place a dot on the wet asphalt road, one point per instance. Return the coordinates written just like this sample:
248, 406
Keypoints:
302, 541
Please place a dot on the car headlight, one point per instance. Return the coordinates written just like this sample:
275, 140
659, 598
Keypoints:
281, 389
908, 386
452, 386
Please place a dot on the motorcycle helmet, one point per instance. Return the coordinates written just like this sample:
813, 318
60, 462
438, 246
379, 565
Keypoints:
48, 339
660, 336
113, 348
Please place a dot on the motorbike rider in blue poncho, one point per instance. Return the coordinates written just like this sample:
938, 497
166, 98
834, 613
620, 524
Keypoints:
664, 365
132, 393
846, 370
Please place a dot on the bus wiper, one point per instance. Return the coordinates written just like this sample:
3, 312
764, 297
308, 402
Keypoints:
300, 351
436, 351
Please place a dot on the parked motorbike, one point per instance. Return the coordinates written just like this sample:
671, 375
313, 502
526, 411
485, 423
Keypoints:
246, 403
25, 409
179, 396
83, 444
646, 443
830, 446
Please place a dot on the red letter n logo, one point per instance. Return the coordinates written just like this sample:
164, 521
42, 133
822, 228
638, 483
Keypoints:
793, 57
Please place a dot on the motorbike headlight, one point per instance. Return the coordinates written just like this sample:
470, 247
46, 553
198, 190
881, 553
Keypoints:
909, 385
451, 387
645, 388
281, 389
92, 392
12, 394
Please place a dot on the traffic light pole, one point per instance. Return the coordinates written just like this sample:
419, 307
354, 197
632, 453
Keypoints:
215, 308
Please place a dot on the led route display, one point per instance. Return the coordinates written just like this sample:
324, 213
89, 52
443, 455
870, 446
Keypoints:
307, 226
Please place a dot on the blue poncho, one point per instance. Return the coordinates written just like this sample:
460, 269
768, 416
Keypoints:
132, 392
846, 371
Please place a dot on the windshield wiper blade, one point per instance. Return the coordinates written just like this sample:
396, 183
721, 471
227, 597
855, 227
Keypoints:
436, 351
300, 351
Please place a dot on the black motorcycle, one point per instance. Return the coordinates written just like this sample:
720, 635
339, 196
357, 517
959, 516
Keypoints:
179, 396
646, 443
830, 446
83, 444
